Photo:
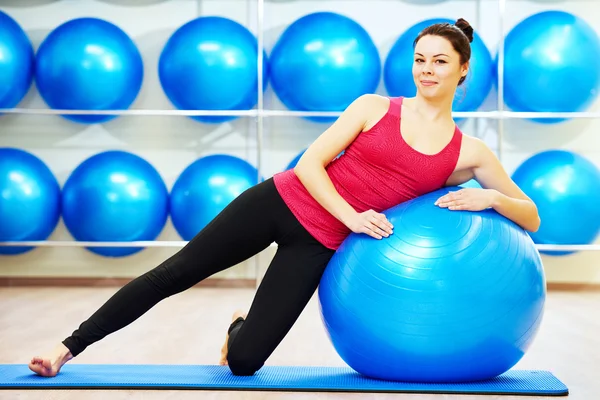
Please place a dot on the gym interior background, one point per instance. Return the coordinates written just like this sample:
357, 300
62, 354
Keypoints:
273, 128
270, 140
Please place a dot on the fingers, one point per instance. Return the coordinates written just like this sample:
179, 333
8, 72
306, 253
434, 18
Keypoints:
456, 206
376, 231
453, 205
381, 222
450, 197
376, 225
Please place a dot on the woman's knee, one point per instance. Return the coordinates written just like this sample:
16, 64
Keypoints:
243, 366
172, 276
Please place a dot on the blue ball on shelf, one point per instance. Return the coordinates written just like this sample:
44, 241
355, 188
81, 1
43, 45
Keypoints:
398, 77
322, 62
211, 63
29, 199
17, 62
115, 196
205, 188
88, 64
565, 187
547, 65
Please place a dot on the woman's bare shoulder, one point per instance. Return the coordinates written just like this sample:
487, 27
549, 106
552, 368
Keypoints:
376, 106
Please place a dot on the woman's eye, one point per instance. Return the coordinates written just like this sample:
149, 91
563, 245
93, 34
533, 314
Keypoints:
441, 61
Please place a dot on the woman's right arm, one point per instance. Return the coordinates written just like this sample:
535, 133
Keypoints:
311, 171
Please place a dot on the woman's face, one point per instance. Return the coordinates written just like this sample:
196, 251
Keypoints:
436, 67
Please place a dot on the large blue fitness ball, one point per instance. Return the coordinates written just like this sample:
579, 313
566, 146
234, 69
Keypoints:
547, 64
16, 62
450, 296
398, 77
89, 64
29, 199
322, 62
115, 196
210, 63
205, 188
565, 186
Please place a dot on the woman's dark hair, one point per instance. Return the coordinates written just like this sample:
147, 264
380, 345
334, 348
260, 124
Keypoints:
460, 34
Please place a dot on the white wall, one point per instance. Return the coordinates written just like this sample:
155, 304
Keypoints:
172, 143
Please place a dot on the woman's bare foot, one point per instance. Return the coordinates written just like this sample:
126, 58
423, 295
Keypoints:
236, 315
51, 364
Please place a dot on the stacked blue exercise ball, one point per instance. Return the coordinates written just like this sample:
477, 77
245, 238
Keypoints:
565, 187
29, 199
205, 188
292, 164
548, 64
115, 196
16, 62
450, 296
89, 64
398, 76
210, 63
322, 62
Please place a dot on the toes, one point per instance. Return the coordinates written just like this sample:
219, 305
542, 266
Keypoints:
37, 368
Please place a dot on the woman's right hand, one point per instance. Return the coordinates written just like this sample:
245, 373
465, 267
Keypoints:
371, 223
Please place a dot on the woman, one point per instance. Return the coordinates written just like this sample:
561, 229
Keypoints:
395, 149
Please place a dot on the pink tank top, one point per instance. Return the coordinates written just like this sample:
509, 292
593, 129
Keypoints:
377, 171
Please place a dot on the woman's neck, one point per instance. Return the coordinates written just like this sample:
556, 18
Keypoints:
432, 109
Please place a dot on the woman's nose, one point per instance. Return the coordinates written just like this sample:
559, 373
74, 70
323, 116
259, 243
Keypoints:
427, 68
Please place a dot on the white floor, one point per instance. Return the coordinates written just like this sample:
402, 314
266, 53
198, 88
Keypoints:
190, 329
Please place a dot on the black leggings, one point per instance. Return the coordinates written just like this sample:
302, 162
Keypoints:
248, 225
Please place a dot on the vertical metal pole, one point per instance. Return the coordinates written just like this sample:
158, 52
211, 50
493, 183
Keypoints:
260, 101
260, 14
477, 121
501, 19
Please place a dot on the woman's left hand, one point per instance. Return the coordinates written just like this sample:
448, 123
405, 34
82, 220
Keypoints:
468, 199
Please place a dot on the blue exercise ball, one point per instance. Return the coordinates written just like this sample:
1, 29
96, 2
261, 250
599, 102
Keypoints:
565, 187
295, 160
322, 62
115, 196
293, 163
17, 62
547, 64
29, 199
89, 64
398, 76
210, 63
205, 188
450, 296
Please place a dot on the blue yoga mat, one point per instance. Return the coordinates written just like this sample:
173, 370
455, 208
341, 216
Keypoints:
271, 378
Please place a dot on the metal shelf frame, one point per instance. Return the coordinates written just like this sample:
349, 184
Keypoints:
182, 243
260, 113
267, 113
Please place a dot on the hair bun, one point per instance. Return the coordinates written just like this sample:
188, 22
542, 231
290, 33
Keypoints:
464, 26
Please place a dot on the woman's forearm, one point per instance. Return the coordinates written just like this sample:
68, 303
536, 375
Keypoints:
523, 212
319, 185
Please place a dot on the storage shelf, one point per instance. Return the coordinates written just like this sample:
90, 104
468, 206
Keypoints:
182, 243
132, 112
261, 113
267, 113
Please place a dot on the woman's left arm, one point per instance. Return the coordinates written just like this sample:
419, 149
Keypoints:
499, 191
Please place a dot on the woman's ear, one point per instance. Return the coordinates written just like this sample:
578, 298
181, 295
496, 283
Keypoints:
464, 69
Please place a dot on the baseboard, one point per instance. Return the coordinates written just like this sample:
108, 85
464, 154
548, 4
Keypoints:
573, 287
25, 281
